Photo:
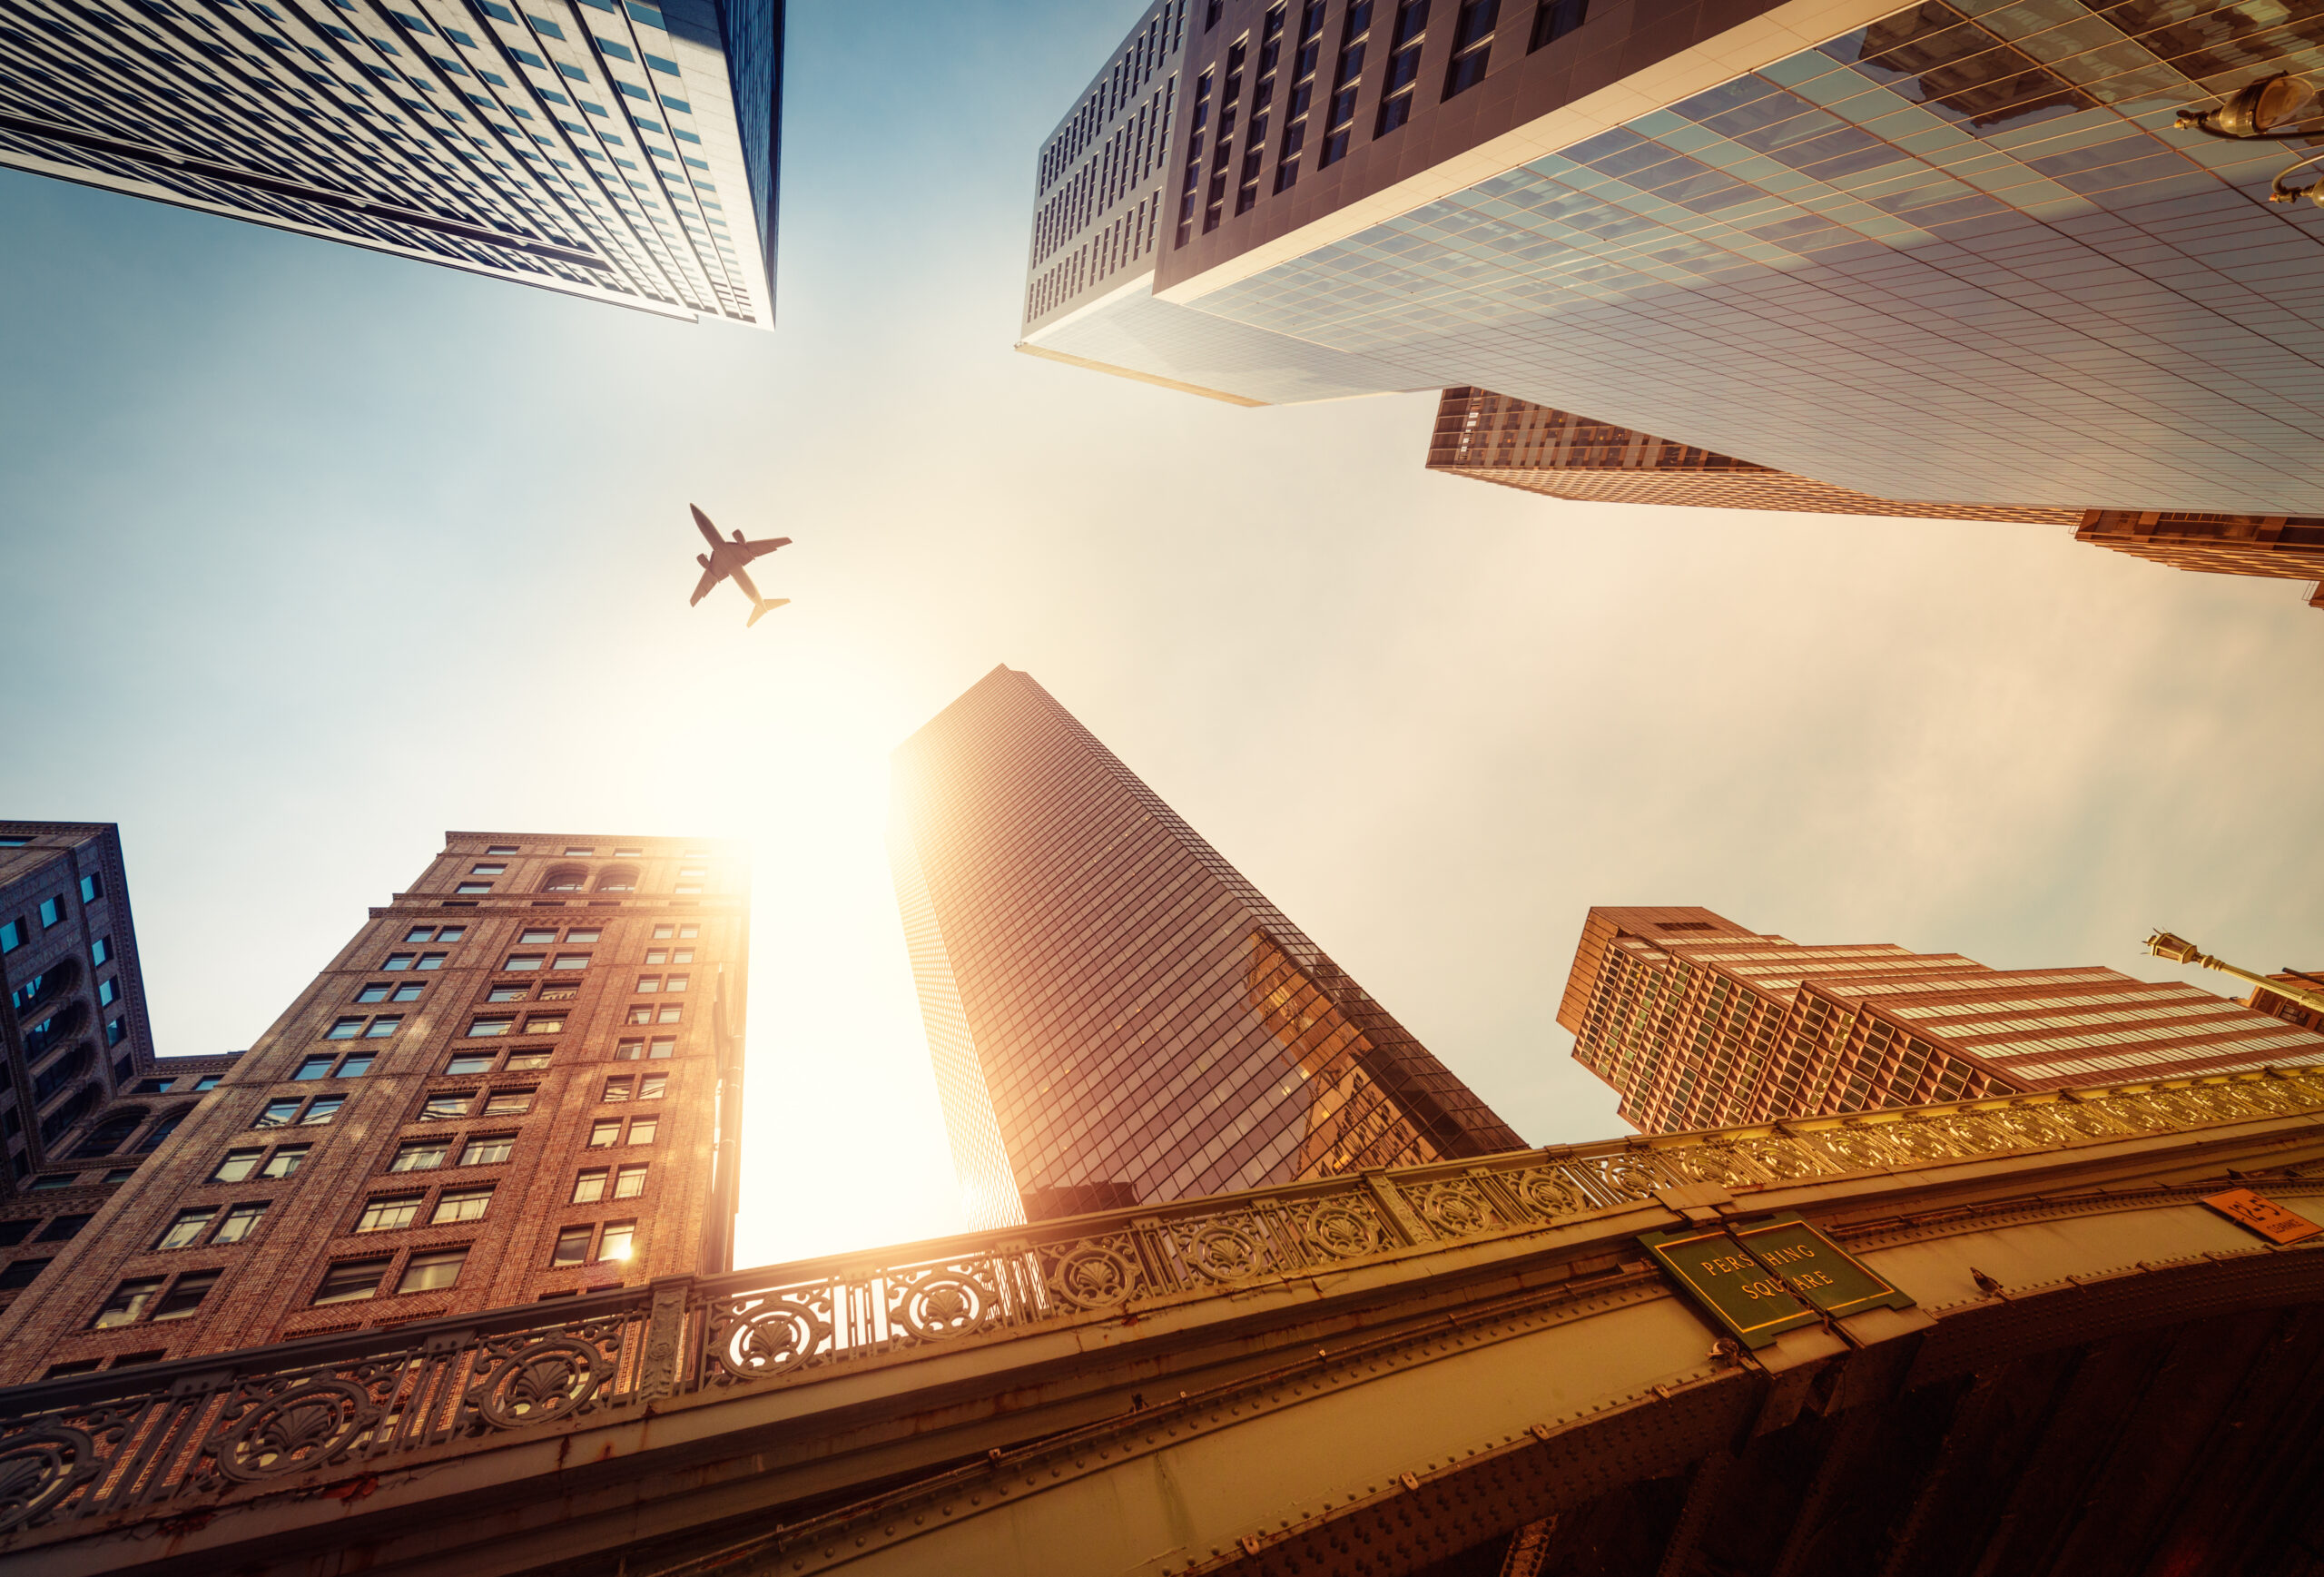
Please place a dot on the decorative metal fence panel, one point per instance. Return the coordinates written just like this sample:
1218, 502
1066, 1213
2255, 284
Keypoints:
158, 1441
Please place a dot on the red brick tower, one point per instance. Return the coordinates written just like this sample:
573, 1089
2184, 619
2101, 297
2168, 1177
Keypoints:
520, 1080
1699, 1022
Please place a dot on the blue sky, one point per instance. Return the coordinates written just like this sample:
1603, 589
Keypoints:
315, 554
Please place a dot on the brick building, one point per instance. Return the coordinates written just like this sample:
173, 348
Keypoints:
2274, 546
1492, 438
521, 1078
2284, 1008
1699, 1022
1116, 1014
84, 1103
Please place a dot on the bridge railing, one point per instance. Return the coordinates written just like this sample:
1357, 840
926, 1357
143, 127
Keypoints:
167, 1439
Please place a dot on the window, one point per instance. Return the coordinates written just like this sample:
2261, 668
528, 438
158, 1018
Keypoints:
632, 853
462, 1205
564, 881
483, 1028
615, 1241
487, 869
521, 961
660, 955
321, 1110
432, 961
663, 1046
676, 983
64, 1229
314, 1067
650, 1088
507, 993
236, 1167
640, 1013
52, 911
283, 1161
508, 1103
420, 933
545, 1024
187, 1228
538, 935
606, 1131
1555, 19
77, 1366
278, 1114
1471, 45
617, 1089
344, 1030
579, 854
207, 1081
469, 1062
1404, 45
383, 1026
629, 1182
101, 952
14, 1232
641, 1129
664, 932
122, 1174
1339, 118
407, 991
526, 1062
92, 888
489, 1150
433, 1271
444, 1108
589, 1186
649, 983
668, 1013
629, 1050
572, 1246
397, 960
22, 1271
419, 1155
352, 1280
128, 1303
185, 1295
117, 1032
496, 848
375, 992
12, 935
356, 1066
468, 889
108, 992
449, 933
573, 960
388, 1215
153, 1086
579, 935
14, 840
681, 955
240, 1221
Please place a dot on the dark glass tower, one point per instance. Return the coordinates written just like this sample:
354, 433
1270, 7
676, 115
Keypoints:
1116, 1014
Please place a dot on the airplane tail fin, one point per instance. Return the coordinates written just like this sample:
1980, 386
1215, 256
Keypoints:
766, 605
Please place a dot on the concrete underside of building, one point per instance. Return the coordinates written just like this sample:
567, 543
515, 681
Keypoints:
1924, 253
1464, 1368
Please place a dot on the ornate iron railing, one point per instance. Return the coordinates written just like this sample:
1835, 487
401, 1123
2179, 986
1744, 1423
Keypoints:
162, 1440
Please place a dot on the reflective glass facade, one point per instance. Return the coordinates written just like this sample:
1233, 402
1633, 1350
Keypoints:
1113, 1004
1697, 1022
1958, 242
597, 149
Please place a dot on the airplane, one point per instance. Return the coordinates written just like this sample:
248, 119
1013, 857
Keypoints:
724, 561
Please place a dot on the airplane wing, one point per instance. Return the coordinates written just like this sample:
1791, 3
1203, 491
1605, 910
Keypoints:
702, 521
710, 577
761, 549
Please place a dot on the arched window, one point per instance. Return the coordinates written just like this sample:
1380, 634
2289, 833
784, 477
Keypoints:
54, 1031
76, 1107
64, 1072
565, 879
618, 879
45, 986
107, 1136
163, 1129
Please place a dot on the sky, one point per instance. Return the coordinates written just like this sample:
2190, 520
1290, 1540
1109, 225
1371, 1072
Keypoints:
313, 554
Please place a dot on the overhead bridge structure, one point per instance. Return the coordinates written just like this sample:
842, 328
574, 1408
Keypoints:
1465, 1368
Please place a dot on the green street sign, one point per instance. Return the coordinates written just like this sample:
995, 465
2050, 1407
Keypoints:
1751, 1301
1816, 1267
1761, 1278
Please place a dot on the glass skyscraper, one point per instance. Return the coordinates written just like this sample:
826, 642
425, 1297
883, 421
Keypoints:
1115, 1013
1916, 252
626, 151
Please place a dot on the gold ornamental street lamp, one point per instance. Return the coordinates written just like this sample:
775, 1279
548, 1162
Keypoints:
2282, 108
2179, 950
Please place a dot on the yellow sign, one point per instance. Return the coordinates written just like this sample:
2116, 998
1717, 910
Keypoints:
1761, 1278
2263, 1216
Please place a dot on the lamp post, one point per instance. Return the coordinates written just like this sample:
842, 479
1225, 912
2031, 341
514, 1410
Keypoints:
2179, 950
2282, 108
